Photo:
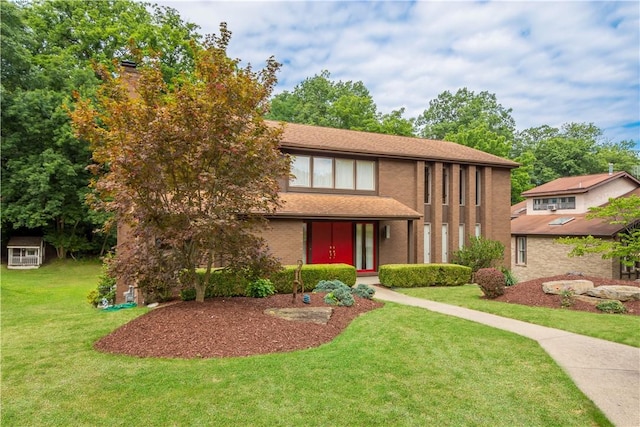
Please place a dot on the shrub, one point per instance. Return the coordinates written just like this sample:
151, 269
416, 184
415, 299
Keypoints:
329, 285
479, 253
612, 306
340, 297
106, 288
567, 297
490, 281
419, 275
363, 291
188, 294
509, 278
260, 288
311, 274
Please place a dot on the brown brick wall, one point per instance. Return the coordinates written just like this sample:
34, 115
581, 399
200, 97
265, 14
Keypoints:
546, 258
498, 213
284, 238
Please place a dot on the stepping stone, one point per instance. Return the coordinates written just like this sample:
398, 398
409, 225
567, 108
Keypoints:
318, 315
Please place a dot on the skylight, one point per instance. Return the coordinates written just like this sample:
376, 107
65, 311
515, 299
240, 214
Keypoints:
562, 220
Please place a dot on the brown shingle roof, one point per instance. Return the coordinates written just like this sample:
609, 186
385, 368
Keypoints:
24, 242
580, 226
305, 137
576, 184
315, 206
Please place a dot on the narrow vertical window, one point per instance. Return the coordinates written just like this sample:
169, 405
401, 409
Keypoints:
427, 184
445, 185
427, 243
478, 187
304, 242
462, 186
478, 231
445, 243
521, 251
461, 236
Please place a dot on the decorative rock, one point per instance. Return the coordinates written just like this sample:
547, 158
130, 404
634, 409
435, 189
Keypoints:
616, 292
153, 305
556, 287
319, 315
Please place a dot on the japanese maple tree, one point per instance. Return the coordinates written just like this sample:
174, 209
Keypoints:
188, 166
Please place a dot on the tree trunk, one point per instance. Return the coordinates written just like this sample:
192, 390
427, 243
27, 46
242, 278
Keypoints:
200, 289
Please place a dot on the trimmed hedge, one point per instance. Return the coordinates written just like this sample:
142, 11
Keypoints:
420, 275
223, 283
311, 274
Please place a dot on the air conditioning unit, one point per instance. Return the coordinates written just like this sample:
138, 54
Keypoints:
552, 207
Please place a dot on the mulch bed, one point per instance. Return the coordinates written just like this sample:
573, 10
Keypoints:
234, 327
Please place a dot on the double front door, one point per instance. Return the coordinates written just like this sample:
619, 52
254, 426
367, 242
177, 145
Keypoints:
345, 242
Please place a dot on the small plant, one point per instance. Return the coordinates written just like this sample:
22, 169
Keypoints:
567, 297
260, 288
329, 285
340, 297
364, 291
509, 278
491, 282
612, 306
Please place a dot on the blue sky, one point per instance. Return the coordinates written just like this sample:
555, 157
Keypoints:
550, 62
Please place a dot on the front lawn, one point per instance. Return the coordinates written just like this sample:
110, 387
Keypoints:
398, 365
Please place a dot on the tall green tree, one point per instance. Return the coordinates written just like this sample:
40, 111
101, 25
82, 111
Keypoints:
474, 120
191, 166
345, 105
47, 51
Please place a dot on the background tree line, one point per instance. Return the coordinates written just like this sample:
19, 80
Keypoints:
50, 48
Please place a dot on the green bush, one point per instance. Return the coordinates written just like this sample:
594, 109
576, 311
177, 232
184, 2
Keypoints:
611, 306
106, 287
420, 275
260, 288
329, 285
491, 282
509, 278
479, 253
363, 291
340, 297
188, 294
311, 274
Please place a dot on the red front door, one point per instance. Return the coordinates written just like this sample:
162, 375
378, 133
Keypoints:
331, 243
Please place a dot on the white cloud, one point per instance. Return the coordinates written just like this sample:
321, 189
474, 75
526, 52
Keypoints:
551, 62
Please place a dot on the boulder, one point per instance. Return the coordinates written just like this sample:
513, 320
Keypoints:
319, 315
556, 287
616, 292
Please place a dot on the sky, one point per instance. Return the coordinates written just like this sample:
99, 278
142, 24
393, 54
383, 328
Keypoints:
550, 62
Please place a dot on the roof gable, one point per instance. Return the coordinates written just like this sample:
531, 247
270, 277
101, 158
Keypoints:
306, 137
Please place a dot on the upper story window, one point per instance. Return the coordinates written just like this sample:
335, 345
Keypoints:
427, 184
332, 173
445, 185
462, 186
553, 203
478, 187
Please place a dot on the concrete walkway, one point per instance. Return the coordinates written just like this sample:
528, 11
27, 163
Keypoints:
608, 373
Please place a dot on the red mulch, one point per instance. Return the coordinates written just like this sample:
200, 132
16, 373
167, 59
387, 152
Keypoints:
232, 327
228, 327
530, 293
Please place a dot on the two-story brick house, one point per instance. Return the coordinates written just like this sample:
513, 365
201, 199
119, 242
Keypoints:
558, 209
369, 199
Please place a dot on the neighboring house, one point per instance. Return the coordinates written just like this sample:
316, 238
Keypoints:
25, 252
369, 199
558, 209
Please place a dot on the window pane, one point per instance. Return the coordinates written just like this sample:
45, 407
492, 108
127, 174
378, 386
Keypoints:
322, 172
344, 174
365, 179
300, 170
369, 247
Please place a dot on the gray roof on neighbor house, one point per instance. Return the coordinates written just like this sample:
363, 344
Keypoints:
24, 242
576, 184
341, 141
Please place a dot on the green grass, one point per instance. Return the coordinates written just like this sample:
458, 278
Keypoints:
611, 327
398, 365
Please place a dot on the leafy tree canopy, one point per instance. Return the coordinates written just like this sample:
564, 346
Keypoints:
192, 166
47, 51
344, 105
